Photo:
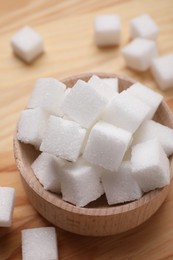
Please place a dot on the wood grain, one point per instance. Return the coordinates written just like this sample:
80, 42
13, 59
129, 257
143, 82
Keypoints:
67, 27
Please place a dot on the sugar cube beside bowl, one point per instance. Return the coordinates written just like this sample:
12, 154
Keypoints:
97, 218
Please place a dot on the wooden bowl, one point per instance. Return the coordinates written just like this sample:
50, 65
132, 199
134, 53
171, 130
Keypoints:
98, 218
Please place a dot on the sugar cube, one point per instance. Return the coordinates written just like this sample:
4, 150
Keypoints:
48, 94
120, 186
63, 138
67, 91
106, 145
162, 70
67, 118
80, 183
139, 53
147, 95
7, 198
154, 130
46, 169
143, 26
39, 244
126, 111
107, 30
105, 88
86, 139
150, 165
112, 82
127, 156
83, 104
31, 126
27, 44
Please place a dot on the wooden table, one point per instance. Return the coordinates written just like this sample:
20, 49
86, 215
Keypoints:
67, 28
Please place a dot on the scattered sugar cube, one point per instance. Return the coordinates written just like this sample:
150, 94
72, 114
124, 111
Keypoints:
46, 169
107, 30
107, 145
126, 111
63, 138
27, 44
48, 94
139, 53
7, 198
150, 165
120, 186
112, 82
153, 130
147, 95
162, 70
144, 26
107, 90
83, 104
31, 126
80, 183
39, 244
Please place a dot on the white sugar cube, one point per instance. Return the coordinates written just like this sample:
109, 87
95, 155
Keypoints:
105, 88
139, 53
162, 70
127, 156
67, 118
83, 104
31, 126
120, 186
147, 95
126, 111
112, 82
67, 91
153, 130
80, 183
85, 140
63, 138
48, 94
106, 145
46, 169
7, 198
27, 44
39, 244
150, 165
143, 26
107, 30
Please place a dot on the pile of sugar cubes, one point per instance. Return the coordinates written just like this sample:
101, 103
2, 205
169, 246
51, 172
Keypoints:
141, 53
94, 139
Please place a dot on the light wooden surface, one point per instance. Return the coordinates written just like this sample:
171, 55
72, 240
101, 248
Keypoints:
67, 27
